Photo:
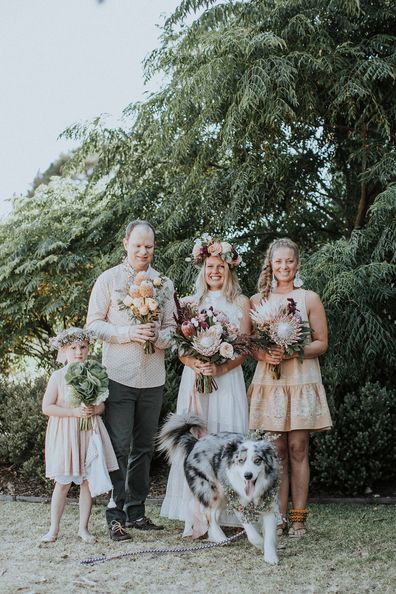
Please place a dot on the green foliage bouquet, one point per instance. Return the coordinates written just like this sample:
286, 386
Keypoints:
89, 384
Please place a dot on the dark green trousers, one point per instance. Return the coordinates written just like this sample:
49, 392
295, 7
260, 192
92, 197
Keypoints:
131, 418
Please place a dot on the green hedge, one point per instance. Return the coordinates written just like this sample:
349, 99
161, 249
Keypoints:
22, 427
361, 448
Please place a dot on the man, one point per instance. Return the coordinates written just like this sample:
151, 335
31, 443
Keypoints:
136, 378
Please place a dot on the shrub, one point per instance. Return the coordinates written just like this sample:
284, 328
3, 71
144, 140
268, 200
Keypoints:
22, 427
361, 448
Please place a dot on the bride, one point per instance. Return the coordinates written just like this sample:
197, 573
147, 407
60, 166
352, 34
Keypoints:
225, 409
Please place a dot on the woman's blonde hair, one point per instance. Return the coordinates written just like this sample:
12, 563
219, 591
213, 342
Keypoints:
265, 278
231, 287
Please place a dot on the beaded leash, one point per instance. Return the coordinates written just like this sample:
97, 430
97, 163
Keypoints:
102, 559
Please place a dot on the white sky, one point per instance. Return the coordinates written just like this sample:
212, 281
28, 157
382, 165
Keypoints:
63, 61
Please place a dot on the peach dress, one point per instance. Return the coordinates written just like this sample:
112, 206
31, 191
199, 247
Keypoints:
298, 399
66, 446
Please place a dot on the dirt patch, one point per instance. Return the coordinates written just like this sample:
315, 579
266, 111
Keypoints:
349, 549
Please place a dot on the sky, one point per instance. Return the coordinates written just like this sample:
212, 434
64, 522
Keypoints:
61, 62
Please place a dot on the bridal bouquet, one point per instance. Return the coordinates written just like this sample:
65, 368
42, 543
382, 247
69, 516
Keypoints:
207, 335
88, 384
143, 299
280, 325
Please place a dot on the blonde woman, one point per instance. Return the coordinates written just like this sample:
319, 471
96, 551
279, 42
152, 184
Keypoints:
295, 404
226, 408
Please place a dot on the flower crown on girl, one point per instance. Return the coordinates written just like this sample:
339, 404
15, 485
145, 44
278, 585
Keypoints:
206, 246
68, 336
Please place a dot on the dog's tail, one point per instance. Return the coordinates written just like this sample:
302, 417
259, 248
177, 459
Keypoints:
175, 435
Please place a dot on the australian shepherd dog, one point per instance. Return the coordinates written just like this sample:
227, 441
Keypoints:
228, 471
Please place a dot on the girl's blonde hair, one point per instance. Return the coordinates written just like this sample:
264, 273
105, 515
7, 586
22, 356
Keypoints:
265, 278
231, 287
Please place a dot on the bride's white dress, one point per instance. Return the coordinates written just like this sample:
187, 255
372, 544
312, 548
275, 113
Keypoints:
225, 409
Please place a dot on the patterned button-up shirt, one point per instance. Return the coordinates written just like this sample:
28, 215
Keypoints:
125, 360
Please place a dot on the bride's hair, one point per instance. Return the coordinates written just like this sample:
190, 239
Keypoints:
231, 287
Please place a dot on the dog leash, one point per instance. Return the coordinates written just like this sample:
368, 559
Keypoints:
154, 551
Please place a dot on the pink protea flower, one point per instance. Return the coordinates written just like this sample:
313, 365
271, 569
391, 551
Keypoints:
188, 329
284, 330
207, 342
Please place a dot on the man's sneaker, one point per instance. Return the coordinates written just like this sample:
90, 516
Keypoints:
117, 531
143, 524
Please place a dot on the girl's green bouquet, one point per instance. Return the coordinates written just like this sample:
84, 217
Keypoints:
88, 384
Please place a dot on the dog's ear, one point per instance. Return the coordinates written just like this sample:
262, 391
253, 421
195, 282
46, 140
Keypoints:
230, 448
267, 452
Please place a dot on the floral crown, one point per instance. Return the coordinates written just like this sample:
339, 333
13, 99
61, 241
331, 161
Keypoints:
71, 335
206, 246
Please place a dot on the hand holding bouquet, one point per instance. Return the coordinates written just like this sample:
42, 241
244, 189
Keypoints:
88, 383
143, 301
280, 325
207, 335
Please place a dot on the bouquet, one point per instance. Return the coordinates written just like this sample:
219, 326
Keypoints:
143, 299
207, 335
280, 325
88, 384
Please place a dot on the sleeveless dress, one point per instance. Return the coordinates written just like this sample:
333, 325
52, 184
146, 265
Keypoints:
298, 399
66, 446
225, 409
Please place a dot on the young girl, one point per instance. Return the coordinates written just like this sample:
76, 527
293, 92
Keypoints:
65, 444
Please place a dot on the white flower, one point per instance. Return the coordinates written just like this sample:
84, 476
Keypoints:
152, 303
225, 247
226, 350
138, 301
127, 301
195, 322
157, 282
143, 310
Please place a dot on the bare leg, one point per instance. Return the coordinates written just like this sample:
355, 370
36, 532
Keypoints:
58, 501
85, 512
299, 463
282, 448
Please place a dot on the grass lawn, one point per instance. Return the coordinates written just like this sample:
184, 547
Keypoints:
349, 549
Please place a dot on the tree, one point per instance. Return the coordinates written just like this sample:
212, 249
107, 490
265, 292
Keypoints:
276, 117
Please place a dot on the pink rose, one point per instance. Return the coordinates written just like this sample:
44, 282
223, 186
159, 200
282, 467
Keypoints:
214, 248
188, 329
196, 250
140, 277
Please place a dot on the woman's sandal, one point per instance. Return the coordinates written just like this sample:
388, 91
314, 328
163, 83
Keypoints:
281, 528
297, 516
